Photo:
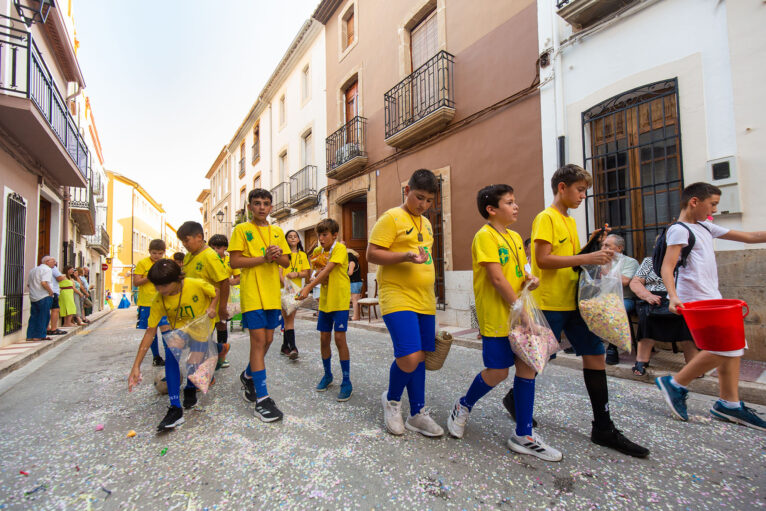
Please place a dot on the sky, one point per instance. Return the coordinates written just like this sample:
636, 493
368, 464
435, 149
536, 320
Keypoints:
170, 82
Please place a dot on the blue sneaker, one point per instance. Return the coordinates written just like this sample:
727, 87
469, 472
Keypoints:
345, 391
324, 383
674, 396
742, 415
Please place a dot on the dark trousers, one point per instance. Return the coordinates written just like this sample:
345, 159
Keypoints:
39, 317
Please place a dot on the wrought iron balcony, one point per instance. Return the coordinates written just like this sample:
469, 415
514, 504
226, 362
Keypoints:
99, 241
47, 131
256, 148
280, 200
346, 151
583, 13
421, 104
82, 207
303, 188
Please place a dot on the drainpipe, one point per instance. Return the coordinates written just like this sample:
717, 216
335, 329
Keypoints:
558, 85
271, 143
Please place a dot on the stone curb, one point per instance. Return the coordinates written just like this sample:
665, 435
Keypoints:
24, 358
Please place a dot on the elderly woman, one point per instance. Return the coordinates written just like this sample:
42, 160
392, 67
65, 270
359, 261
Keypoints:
655, 321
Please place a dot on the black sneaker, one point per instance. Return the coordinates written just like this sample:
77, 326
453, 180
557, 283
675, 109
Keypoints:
293, 353
174, 417
612, 356
190, 397
614, 439
158, 362
248, 389
510, 404
267, 410
285, 351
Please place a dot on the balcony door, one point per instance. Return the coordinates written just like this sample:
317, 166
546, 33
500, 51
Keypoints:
424, 45
352, 101
354, 231
44, 230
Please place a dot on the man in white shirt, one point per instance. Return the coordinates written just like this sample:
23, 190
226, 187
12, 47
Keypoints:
40, 297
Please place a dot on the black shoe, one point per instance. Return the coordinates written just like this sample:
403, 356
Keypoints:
174, 417
158, 362
190, 397
612, 357
293, 353
248, 389
569, 351
614, 439
285, 351
267, 410
510, 405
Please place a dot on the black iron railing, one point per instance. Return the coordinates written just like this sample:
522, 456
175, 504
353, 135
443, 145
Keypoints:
24, 72
15, 234
347, 143
303, 184
425, 90
99, 241
280, 197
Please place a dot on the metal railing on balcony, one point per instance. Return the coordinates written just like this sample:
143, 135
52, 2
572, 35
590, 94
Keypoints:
256, 147
561, 3
426, 89
23, 72
99, 241
242, 166
280, 198
303, 185
347, 143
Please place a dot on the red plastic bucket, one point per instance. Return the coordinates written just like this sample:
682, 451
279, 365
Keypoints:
716, 325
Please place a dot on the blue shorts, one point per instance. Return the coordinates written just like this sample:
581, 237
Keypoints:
143, 318
356, 288
411, 332
55, 302
582, 340
258, 319
496, 352
326, 320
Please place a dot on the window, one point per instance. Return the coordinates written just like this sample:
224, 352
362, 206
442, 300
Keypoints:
348, 28
242, 159
220, 183
256, 182
256, 142
634, 143
282, 111
307, 149
424, 41
283, 167
242, 197
305, 83
15, 234
351, 96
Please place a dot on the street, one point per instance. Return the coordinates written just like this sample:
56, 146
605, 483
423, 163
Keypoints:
330, 455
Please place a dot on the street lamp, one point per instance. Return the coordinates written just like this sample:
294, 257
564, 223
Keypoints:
219, 216
30, 15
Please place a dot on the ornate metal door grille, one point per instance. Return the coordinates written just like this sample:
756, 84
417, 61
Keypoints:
15, 231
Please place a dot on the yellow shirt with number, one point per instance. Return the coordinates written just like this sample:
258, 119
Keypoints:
146, 291
506, 249
192, 302
336, 294
557, 287
299, 262
405, 286
260, 287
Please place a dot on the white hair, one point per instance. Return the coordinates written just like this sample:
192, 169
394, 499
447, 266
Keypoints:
618, 240
45, 259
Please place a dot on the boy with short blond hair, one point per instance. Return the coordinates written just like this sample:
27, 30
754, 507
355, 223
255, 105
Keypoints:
146, 292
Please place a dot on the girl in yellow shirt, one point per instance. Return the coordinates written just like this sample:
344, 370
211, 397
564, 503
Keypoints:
298, 270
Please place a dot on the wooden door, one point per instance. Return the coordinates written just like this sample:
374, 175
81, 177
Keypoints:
44, 230
309, 240
354, 233
352, 101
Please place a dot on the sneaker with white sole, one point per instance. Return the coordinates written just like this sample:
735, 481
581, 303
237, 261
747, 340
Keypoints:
266, 410
248, 389
174, 417
743, 415
534, 446
422, 423
392, 415
457, 419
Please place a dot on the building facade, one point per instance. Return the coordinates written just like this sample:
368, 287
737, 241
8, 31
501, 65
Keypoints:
220, 197
647, 119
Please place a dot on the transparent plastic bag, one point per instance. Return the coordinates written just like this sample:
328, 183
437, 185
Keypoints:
195, 350
601, 302
289, 301
233, 307
531, 337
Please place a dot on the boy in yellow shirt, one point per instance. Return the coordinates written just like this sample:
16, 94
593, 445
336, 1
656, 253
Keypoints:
219, 244
146, 293
400, 244
334, 299
498, 277
259, 249
555, 254
180, 300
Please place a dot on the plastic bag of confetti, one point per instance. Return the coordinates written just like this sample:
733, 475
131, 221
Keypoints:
233, 307
601, 302
195, 349
289, 301
531, 337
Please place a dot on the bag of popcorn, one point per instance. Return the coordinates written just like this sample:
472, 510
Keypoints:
601, 302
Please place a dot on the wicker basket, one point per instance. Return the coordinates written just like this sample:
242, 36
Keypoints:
435, 359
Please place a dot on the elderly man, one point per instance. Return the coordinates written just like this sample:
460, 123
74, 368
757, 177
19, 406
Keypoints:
41, 297
616, 243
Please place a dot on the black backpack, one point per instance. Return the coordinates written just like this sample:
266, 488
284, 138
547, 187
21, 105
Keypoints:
662, 246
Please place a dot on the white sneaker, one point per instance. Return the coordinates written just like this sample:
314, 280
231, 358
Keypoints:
534, 446
457, 419
392, 415
423, 423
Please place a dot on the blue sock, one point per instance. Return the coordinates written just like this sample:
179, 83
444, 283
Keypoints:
397, 380
524, 397
344, 366
416, 389
259, 380
155, 346
327, 363
173, 378
476, 391
248, 372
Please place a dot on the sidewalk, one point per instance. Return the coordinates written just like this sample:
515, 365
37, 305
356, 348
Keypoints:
752, 384
17, 355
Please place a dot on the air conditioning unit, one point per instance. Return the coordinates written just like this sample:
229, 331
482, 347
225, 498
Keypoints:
722, 172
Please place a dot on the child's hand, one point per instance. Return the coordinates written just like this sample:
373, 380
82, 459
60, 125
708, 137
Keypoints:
674, 303
211, 312
601, 257
418, 258
272, 252
134, 378
532, 282
303, 294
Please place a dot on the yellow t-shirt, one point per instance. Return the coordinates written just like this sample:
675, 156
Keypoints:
206, 265
233, 272
192, 302
259, 285
405, 286
298, 262
557, 287
336, 294
507, 249
146, 291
